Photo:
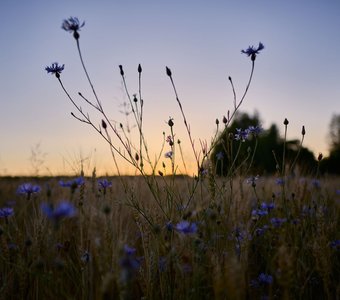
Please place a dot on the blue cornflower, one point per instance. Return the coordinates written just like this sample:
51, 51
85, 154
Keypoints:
241, 135
255, 130
72, 184
252, 51
265, 278
219, 155
267, 206
55, 69
280, 181
277, 222
259, 212
168, 154
261, 230
335, 244
262, 280
6, 212
252, 180
129, 263
28, 189
72, 24
104, 184
186, 227
316, 183
62, 210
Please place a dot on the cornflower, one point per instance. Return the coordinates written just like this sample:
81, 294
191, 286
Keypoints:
168, 154
104, 184
55, 69
241, 135
28, 189
63, 210
252, 51
72, 24
219, 155
254, 130
6, 212
186, 227
72, 184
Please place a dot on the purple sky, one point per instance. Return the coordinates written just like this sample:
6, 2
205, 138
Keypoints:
296, 76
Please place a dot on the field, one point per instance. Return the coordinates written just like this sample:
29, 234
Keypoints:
169, 238
222, 233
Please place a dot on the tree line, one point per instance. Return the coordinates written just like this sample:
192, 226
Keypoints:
265, 152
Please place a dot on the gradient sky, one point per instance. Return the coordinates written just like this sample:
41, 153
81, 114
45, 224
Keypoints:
296, 76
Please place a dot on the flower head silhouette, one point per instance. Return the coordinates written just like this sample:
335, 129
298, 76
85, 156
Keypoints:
252, 51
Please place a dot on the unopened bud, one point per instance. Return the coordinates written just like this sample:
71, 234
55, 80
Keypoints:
135, 98
224, 120
217, 121
160, 173
303, 132
168, 71
171, 122
104, 124
285, 122
137, 157
121, 70
139, 68
320, 156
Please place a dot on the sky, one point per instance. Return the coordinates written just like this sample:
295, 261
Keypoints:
296, 75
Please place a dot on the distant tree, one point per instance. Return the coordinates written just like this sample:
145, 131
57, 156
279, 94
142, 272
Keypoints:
331, 164
260, 154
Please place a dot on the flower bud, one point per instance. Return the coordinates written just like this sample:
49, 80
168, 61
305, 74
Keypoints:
139, 68
104, 124
303, 132
168, 71
121, 70
320, 156
285, 122
171, 122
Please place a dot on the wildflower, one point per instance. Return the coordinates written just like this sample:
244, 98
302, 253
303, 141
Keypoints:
252, 180
277, 222
169, 226
335, 244
259, 212
252, 51
104, 184
267, 206
63, 210
28, 189
85, 258
129, 263
219, 155
72, 24
169, 140
255, 130
6, 212
241, 135
280, 181
168, 154
316, 183
262, 280
186, 227
261, 230
72, 184
55, 69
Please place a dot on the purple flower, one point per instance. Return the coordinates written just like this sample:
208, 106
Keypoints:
252, 51
72, 24
265, 279
55, 69
129, 250
335, 244
262, 280
62, 210
73, 184
261, 230
168, 154
28, 189
259, 212
277, 222
241, 135
280, 181
252, 180
186, 227
104, 184
219, 155
267, 206
6, 212
255, 130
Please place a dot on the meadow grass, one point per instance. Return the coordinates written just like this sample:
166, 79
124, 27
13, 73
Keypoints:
231, 247
165, 235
